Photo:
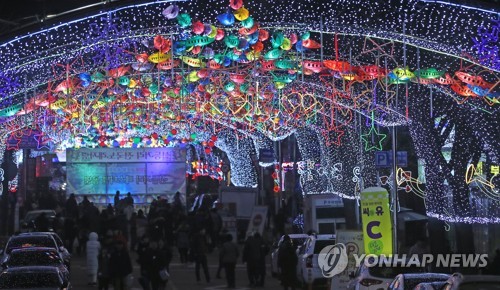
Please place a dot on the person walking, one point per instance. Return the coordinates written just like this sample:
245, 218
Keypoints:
155, 262
287, 261
199, 249
183, 242
92, 250
229, 256
260, 270
251, 256
103, 269
120, 265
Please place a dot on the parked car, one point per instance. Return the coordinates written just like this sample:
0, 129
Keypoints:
458, 281
297, 239
431, 286
33, 277
377, 277
27, 224
66, 256
409, 281
26, 241
308, 271
36, 257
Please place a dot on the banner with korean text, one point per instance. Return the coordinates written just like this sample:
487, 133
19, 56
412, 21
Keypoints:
156, 171
376, 219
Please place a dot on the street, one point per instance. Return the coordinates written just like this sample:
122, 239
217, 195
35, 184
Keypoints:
181, 276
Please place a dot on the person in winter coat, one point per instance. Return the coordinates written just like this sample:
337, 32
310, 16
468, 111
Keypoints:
260, 272
92, 249
287, 261
103, 273
229, 256
251, 256
199, 249
155, 261
183, 242
120, 265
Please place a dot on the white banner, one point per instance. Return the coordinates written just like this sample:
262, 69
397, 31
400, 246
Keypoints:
117, 155
353, 241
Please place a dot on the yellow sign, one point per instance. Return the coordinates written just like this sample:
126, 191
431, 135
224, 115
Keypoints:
494, 169
376, 218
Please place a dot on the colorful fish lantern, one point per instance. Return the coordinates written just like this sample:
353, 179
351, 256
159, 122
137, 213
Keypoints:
226, 19
159, 57
219, 34
273, 54
247, 23
198, 27
192, 62
277, 39
162, 44
403, 73
236, 4
171, 11
263, 35
286, 45
311, 44
184, 20
241, 14
231, 41
299, 47
429, 73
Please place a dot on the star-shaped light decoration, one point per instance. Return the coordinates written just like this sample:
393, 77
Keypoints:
42, 140
378, 138
13, 142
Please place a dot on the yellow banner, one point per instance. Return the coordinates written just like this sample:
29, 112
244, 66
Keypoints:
376, 218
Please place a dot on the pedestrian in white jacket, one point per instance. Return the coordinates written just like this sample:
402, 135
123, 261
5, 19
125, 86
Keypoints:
93, 248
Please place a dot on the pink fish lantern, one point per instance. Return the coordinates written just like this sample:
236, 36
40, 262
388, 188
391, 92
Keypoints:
220, 34
196, 50
171, 12
293, 38
198, 27
236, 4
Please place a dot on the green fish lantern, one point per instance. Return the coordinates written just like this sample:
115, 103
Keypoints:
273, 54
184, 20
231, 41
277, 39
287, 78
229, 87
97, 77
429, 73
123, 80
285, 64
197, 40
403, 74
305, 36
247, 23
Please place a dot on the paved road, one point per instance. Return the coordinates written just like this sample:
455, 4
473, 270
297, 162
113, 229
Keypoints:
182, 276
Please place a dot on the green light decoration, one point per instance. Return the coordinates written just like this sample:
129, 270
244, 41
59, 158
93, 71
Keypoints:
375, 136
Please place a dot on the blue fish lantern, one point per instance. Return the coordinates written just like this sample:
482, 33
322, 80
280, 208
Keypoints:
299, 47
177, 48
208, 53
243, 44
85, 78
191, 87
227, 61
253, 38
226, 19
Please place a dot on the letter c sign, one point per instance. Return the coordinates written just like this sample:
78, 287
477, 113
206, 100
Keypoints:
369, 230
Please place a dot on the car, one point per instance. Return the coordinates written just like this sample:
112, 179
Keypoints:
458, 281
431, 286
33, 277
308, 271
36, 256
409, 281
297, 239
66, 256
21, 241
377, 277
28, 222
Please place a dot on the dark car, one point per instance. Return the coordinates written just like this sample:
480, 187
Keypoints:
36, 257
66, 256
28, 223
18, 242
458, 281
33, 277
411, 280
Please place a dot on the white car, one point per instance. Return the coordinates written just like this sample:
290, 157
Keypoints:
377, 277
297, 240
308, 271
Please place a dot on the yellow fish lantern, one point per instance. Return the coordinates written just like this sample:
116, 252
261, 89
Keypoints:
193, 76
159, 57
193, 62
403, 73
286, 44
252, 55
61, 103
241, 14
132, 83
